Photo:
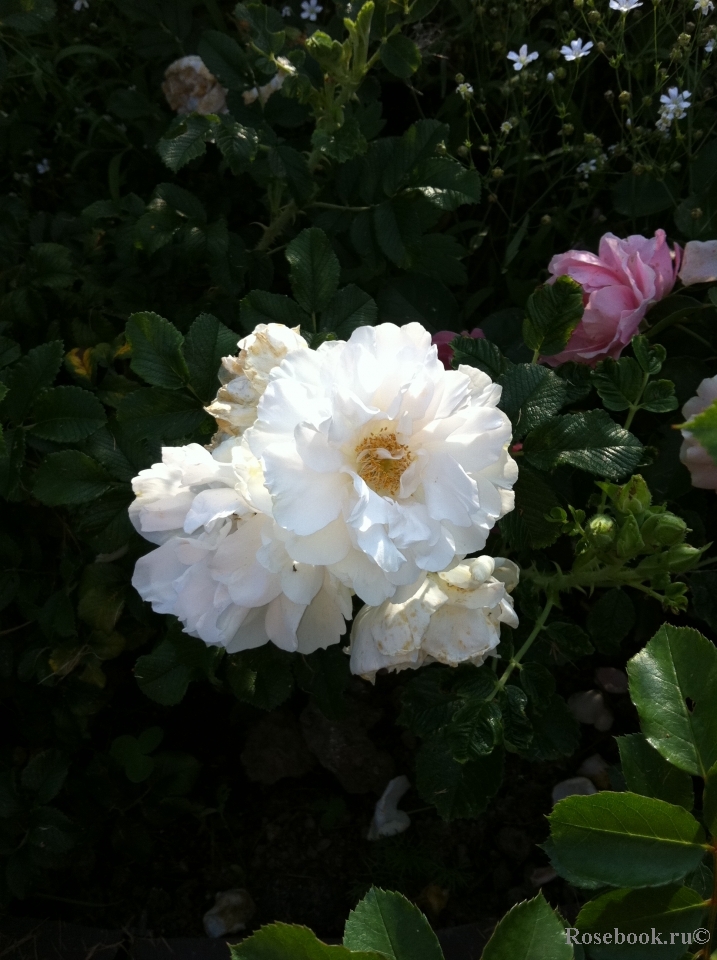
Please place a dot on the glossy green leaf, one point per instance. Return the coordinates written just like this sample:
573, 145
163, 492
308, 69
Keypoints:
648, 773
157, 354
70, 478
153, 413
387, 923
527, 527
282, 941
619, 382
457, 789
531, 395
207, 341
29, 377
590, 441
672, 684
260, 306
653, 914
351, 307
400, 56
185, 140
531, 930
553, 312
225, 59
480, 353
238, 144
67, 414
314, 269
623, 839
709, 801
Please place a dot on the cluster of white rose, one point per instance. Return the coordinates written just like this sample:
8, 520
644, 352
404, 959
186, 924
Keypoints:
363, 467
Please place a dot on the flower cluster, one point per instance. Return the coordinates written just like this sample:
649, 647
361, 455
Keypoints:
361, 467
674, 107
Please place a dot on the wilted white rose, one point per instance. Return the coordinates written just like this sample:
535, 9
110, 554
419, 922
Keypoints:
699, 262
454, 617
190, 88
244, 378
380, 463
220, 567
285, 68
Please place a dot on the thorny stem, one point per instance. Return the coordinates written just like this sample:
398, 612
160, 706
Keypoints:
515, 660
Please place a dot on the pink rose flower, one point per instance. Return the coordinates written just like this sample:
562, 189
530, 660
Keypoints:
443, 338
619, 284
693, 454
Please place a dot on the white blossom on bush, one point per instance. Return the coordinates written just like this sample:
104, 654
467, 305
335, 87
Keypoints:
522, 58
285, 68
704, 6
380, 463
465, 90
190, 88
577, 49
310, 9
625, 6
220, 566
454, 617
244, 378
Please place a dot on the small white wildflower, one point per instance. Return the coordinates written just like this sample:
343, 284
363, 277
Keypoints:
286, 11
550, 77
43, 166
704, 6
522, 58
80, 5
310, 9
465, 90
625, 6
586, 168
506, 127
577, 49
675, 103
628, 122
709, 46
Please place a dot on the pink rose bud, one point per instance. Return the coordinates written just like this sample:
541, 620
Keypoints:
443, 338
693, 454
619, 284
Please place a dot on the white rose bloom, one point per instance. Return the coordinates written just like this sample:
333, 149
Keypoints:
220, 568
380, 463
244, 377
190, 88
454, 617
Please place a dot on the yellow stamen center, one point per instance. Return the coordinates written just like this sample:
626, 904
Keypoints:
382, 460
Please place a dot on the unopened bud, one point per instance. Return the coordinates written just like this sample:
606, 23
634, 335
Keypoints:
601, 531
629, 541
625, 96
663, 530
633, 496
594, 16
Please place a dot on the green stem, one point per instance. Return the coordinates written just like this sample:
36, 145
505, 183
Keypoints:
634, 407
277, 227
536, 355
515, 660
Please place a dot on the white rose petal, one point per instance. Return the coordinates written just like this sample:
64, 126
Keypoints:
453, 617
699, 262
388, 820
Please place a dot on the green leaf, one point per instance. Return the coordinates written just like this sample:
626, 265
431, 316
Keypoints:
29, 377
635, 196
259, 306
266, 24
623, 839
446, 184
164, 674
659, 397
619, 382
207, 341
49, 265
703, 428
9, 351
350, 308
473, 730
185, 140
656, 913
672, 684
102, 595
709, 801
457, 789
392, 926
649, 774
610, 620
531, 930
478, 353
225, 59
45, 774
262, 676
30, 16
238, 144
282, 941
324, 675
67, 415
531, 395
157, 350
526, 526
650, 356
590, 441
556, 733
314, 269
153, 413
400, 56
70, 478
554, 311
